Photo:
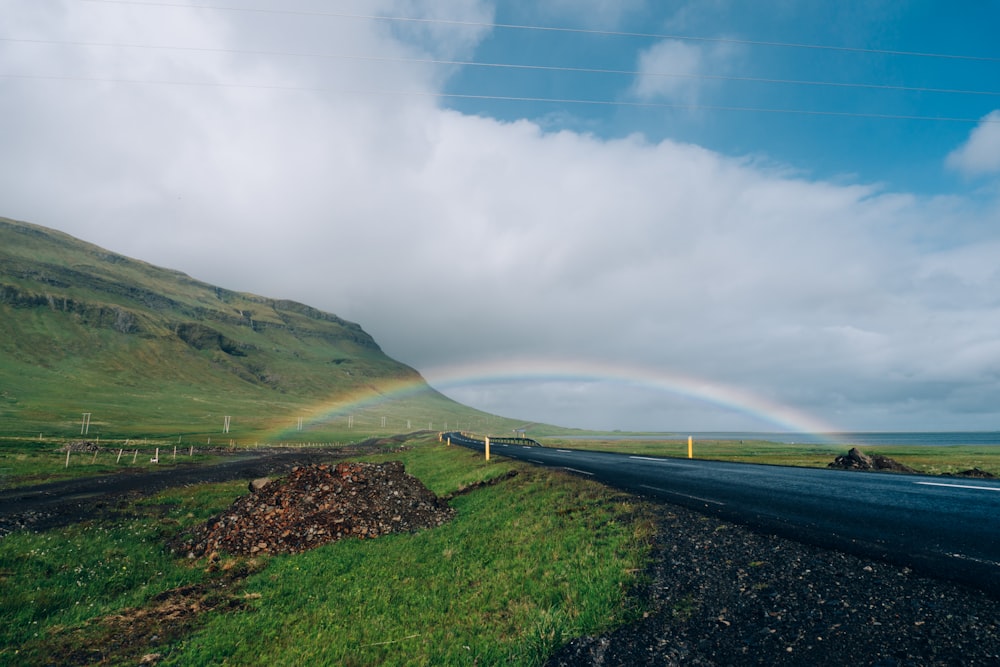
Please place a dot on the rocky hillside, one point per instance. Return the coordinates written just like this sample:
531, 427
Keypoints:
148, 349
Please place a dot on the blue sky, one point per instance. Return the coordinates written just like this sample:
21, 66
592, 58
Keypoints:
899, 153
674, 266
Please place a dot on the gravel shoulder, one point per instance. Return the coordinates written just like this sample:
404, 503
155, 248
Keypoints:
720, 594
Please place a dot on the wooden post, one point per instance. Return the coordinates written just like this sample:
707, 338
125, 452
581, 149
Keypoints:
67, 455
175, 452
690, 447
191, 453
135, 455
118, 460
95, 456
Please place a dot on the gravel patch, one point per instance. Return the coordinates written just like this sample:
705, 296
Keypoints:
721, 594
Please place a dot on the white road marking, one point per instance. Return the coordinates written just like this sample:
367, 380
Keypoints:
654, 460
582, 472
961, 486
704, 500
541, 463
972, 558
564, 451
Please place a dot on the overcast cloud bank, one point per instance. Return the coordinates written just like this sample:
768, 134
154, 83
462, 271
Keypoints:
461, 240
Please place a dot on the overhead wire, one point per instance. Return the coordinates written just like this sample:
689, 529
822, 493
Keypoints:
525, 67
510, 98
585, 31
517, 66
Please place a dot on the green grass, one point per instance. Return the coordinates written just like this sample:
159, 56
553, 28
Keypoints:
34, 462
62, 578
524, 566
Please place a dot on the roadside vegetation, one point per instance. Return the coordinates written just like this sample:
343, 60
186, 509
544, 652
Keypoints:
524, 566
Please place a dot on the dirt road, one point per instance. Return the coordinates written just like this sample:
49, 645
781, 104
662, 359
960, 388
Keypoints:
55, 504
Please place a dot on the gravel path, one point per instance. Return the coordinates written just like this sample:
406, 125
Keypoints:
720, 594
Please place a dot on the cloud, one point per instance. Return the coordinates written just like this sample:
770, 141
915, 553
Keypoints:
679, 71
458, 239
594, 14
980, 154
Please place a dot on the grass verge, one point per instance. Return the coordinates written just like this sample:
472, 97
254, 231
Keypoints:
926, 459
526, 565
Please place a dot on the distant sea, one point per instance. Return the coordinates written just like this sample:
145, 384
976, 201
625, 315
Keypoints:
937, 439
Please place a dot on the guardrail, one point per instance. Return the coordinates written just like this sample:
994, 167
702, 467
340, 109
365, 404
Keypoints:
481, 440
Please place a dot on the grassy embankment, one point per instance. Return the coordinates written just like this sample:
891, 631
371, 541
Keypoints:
524, 566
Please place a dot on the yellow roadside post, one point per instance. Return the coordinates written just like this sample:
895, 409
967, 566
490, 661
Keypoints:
487, 448
690, 447
449, 442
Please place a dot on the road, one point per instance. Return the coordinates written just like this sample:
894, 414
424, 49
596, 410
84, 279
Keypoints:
944, 526
68, 501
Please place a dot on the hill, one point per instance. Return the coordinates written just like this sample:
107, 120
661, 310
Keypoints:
149, 351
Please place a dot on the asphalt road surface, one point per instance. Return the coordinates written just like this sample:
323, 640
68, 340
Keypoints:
947, 527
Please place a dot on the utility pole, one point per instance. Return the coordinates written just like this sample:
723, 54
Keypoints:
85, 426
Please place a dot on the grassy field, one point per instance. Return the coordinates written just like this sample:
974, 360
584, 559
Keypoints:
526, 565
34, 462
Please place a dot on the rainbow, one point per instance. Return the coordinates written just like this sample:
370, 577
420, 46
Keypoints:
358, 400
782, 417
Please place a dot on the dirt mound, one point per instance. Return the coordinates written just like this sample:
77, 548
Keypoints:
974, 472
318, 504
855, 459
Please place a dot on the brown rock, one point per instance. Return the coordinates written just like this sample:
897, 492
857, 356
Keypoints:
858, 460
259, 483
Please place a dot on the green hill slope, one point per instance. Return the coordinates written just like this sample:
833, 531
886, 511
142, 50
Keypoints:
152, 352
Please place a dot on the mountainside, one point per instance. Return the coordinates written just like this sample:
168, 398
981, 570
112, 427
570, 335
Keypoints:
151, 351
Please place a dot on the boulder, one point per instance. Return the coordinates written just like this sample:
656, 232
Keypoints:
855, 459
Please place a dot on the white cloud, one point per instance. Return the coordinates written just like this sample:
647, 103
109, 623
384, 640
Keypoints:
678, 71
456, 239
596, 14
980, 154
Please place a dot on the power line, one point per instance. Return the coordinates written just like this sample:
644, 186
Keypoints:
508, 98
516, 66
558, 29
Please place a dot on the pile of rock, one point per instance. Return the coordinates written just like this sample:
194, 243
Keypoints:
318, 504
80, 446
975, 472
858, 460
